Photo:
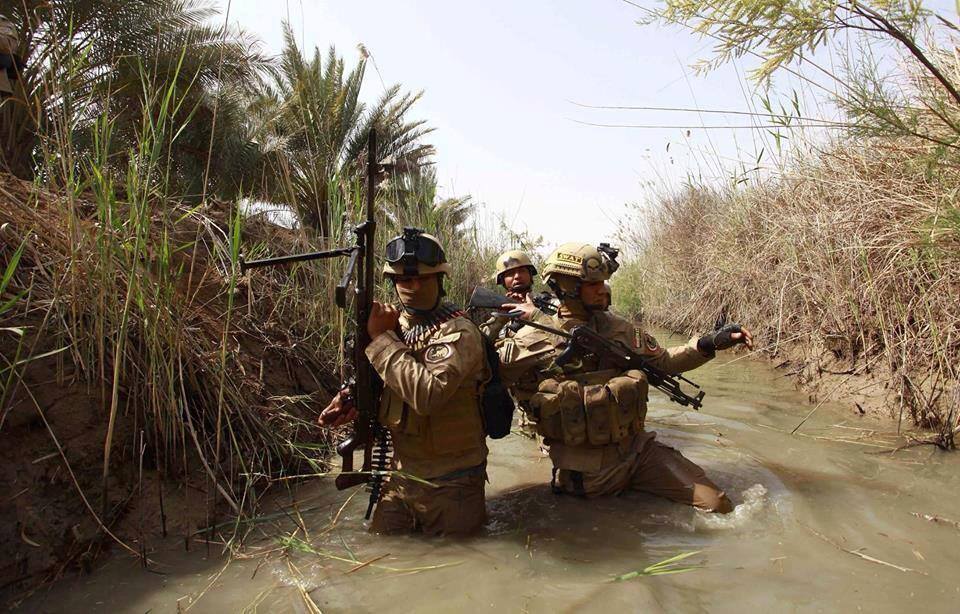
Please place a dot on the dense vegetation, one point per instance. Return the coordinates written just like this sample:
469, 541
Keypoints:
143, 151
845, 255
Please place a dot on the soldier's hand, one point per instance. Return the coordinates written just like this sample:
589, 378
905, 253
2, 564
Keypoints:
382, 319
340, 410
517, 296
744, 336
725, 338
523, 310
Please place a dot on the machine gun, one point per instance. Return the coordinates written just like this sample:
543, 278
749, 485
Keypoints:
583, 341
363, 381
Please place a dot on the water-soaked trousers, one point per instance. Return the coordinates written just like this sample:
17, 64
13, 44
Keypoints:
650, 467
449, 505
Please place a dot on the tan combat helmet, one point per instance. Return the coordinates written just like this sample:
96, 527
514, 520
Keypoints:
579, 260
415, 253
513, 259
9, 44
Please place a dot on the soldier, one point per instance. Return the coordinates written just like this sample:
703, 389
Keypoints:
515, 272
433, 365
592, 416
10, 62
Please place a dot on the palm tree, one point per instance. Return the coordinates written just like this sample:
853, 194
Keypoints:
93, 58
411, 200
314, 128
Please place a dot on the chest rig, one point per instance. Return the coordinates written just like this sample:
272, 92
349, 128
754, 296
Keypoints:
583, 402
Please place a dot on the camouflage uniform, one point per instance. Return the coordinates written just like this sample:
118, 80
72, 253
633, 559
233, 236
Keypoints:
592, 415
434, 370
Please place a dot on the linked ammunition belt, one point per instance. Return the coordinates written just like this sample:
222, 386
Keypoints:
416, 334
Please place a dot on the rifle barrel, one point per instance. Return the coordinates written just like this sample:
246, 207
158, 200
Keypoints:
331, 253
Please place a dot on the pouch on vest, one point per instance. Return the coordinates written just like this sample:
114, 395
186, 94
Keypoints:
573, 420
630, 407
552, 398
496, 402
599, 407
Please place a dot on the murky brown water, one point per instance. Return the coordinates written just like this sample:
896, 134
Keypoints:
545, 553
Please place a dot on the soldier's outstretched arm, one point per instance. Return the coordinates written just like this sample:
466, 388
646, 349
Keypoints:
694, 353
676, 359
428, 385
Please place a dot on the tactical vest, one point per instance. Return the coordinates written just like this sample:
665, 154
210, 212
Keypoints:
591, 409
450, 438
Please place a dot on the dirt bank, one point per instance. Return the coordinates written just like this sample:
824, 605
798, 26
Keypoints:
212, 383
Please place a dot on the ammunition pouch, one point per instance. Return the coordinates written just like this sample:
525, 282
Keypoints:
558, 410
592, 409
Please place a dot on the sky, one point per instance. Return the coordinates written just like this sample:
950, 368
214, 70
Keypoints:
502, 80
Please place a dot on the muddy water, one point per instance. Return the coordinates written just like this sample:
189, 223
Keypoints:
823, 523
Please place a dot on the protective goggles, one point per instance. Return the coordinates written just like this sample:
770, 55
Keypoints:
412, 248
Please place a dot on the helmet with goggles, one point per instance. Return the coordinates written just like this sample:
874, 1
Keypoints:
415, 253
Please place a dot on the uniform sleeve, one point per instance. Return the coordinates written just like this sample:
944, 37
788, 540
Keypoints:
426, 386
541, 318
523, 352
492, 326
675, 359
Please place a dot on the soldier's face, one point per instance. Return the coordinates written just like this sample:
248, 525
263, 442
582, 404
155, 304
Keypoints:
517, 279
594, 294
418, 291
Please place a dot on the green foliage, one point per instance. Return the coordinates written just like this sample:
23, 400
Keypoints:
86, 59
628, 290
313, 127
785, 36
662, 568
780, 32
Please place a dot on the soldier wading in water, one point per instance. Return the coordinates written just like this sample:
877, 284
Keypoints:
433, 365
590, 415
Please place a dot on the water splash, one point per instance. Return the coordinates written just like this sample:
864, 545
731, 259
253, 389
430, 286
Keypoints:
748, 512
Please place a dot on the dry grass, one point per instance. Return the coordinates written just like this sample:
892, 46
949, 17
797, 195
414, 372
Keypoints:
851, 254
126, 320
77, 271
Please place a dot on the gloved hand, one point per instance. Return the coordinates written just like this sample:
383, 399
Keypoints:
725, 338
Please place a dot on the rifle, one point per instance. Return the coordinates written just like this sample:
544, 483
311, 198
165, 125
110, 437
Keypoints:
488, 299
364, 382
582, 340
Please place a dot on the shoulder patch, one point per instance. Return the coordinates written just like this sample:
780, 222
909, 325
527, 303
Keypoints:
438, 352
645, 343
